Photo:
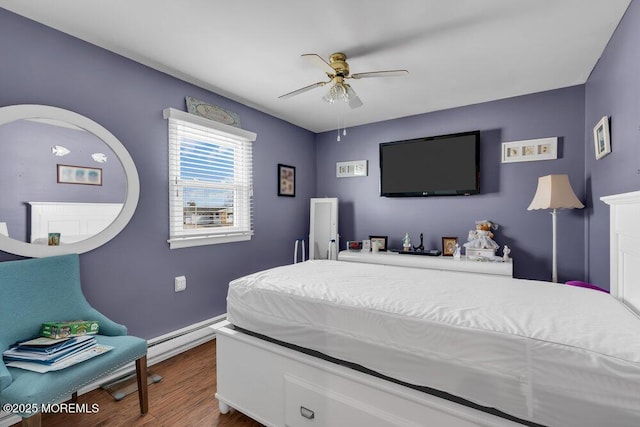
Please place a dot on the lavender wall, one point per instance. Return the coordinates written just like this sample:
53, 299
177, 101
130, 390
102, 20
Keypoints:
506, 189
613, 90
131, 278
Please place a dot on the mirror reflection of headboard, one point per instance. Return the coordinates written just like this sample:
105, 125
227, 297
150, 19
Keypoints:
74, 221
624, 220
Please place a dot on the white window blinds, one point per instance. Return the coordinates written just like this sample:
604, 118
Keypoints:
210, 181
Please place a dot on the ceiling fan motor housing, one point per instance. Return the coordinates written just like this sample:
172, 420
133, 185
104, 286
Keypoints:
338, 62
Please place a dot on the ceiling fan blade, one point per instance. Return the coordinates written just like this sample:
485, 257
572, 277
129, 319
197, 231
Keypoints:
387, 73
301, 90
353, 98
319, 62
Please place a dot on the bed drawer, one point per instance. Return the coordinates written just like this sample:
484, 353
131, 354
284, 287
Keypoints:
308, 405
280, 387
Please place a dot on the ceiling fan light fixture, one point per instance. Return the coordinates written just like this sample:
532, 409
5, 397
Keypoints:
352, 98
343, 92
336, 93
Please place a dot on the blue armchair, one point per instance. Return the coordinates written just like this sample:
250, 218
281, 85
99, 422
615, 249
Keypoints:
34, 291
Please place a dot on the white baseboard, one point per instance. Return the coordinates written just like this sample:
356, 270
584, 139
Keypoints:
159, 349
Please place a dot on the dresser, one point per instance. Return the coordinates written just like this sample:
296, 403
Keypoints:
449, 263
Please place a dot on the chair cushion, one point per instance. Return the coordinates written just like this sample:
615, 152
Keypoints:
30, 387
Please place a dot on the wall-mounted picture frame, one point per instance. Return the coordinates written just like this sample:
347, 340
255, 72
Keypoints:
68, 174
530, 150
286, 180
449, 245
211, 112
381, 241
351, 169
602, 138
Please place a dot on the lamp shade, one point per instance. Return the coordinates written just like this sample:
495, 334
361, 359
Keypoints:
555, 192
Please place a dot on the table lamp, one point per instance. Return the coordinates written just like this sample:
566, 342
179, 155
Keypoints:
554, 192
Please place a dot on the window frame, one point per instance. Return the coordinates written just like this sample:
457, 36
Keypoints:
228, 135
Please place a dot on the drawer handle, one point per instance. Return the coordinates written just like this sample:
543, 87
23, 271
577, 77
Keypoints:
307, 413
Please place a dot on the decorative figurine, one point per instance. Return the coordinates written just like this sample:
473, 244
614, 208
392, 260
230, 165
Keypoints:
481, 237
420, 247
406, 243
505, 253
456, 252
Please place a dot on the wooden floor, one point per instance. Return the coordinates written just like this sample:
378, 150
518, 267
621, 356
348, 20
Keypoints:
184, 397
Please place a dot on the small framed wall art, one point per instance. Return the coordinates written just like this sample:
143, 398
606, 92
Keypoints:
449, 245
530, 150
79, 175
286, 180
601, 138
351, 169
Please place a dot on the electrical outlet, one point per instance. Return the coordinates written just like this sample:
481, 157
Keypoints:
180, 283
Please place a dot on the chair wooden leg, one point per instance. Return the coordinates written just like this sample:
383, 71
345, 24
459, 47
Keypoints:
74, 397
33, 421
141, 373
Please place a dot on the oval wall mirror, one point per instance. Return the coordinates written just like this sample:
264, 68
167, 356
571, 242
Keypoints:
69, 185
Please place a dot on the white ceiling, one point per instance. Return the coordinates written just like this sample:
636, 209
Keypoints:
457, 52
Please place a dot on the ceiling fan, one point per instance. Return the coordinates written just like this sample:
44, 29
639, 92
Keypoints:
337, 69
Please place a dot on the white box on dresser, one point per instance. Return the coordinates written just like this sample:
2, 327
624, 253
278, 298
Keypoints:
504, 268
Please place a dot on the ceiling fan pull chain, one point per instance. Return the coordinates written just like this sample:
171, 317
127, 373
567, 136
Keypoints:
343, 107
340, 121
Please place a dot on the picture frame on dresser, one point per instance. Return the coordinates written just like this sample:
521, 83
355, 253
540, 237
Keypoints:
381, 241
449, 245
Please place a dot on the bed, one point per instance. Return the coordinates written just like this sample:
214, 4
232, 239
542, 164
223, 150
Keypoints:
75, 221
334, 343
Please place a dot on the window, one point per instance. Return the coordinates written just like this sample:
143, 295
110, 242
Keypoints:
210, 181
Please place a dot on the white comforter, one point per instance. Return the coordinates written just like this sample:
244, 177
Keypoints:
552, 354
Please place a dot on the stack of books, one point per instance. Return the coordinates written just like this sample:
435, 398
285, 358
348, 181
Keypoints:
47, 354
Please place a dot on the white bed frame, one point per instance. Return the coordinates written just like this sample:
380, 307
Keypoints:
278, 386
624, 241
74, 221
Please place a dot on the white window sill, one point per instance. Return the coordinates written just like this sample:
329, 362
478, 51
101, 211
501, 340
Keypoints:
188, 242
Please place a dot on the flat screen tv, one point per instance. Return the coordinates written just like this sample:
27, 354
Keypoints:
447, 165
